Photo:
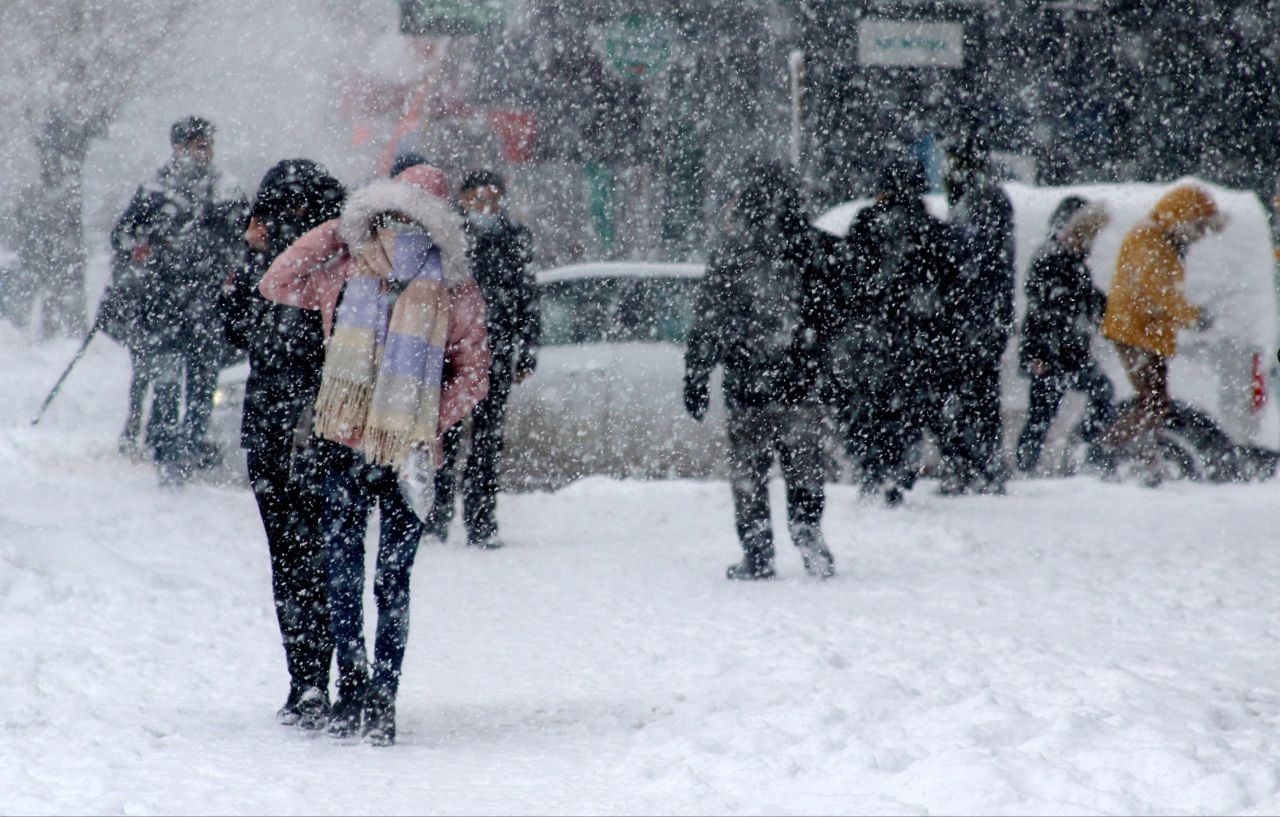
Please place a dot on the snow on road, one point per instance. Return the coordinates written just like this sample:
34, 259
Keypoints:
1075, 647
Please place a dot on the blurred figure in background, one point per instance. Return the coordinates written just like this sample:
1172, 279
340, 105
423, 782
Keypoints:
980, 311
755, 314
1063, 308
185, 230
1146, 309
888, 372
500, 252
286, 356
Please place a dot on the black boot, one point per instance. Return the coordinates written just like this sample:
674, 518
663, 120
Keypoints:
348, 710
380, 719
288, 715
755, 565
313, 709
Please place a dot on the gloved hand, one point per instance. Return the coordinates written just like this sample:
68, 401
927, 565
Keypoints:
1205, 322
697, 397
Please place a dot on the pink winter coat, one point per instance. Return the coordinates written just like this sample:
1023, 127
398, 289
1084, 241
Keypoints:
312, 272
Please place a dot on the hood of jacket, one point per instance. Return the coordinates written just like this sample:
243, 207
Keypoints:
413, 195
1183, 205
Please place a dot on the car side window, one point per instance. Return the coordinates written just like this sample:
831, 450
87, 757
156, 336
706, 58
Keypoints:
617, 310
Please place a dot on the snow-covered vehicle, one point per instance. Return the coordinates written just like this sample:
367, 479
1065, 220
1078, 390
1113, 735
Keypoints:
606, 398
1221, 379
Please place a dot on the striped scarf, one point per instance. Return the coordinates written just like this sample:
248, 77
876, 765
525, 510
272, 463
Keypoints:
384, 360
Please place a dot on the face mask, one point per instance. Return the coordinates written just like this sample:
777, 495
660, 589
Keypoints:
484, 221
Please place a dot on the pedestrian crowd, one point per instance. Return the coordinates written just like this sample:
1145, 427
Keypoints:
377, 321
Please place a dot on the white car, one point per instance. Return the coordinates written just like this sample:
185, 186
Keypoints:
607, 397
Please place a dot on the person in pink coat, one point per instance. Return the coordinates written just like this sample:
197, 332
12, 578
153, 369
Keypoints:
392, 282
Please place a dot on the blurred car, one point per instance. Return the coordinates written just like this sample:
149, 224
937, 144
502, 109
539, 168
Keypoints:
607, 397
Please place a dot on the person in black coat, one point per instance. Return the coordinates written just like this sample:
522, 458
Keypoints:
500, 251
184, 230
1063, 307
757, 314
979, 303
286, 358
901, 255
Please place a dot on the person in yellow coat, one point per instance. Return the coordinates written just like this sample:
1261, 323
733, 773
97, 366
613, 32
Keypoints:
1146, 307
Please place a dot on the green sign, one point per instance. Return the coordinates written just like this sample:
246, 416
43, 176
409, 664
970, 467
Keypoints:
440, 18
638, 45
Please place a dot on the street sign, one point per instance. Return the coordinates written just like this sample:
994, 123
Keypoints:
638, 45
443, 18
910, 43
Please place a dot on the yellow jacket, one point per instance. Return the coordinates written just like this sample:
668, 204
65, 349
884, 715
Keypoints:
1145, 307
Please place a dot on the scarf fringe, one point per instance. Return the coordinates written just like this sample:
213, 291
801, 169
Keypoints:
385, 447
342, 408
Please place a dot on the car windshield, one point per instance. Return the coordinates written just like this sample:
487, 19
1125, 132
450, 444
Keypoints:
617, 310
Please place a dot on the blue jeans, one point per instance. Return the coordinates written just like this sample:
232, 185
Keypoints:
351, 487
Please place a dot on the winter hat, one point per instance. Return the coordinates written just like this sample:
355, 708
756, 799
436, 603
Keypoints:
475, 179
428, 179
191, 129
299, 184
405, 161
971, 151
903, 176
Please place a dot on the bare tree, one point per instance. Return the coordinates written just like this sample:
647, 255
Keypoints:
67, 67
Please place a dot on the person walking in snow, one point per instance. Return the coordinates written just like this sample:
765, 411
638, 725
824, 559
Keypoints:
980, 312
500, 251
901, 255
406, 358
286, 355
755, 315
185, 231
1063, 307
1146, 309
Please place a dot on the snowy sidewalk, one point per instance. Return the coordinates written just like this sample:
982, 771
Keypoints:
1074, 647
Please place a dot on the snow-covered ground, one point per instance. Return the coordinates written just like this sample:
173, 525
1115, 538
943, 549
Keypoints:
1075, 647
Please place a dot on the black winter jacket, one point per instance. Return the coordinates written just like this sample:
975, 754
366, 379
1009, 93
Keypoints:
979, 300
193, 223
500, 259
1063, 306
893, 298
285, 344
759, 312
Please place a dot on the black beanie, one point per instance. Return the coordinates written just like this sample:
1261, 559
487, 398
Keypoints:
188, 130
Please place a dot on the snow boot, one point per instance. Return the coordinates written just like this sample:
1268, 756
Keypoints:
893, 497
489, 543
818, 562
313, 709
755, 565
380, 719
288, 715
347, 711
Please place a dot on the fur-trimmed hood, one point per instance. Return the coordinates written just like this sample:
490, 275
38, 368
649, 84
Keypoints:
433, 214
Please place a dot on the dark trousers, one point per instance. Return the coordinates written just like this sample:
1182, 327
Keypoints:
480, 474
291, 516
351, 489
1047, 392
973, 429
884, 423
1148, 373
141, 375
174, 432
202, 380
164, 427
794, 435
